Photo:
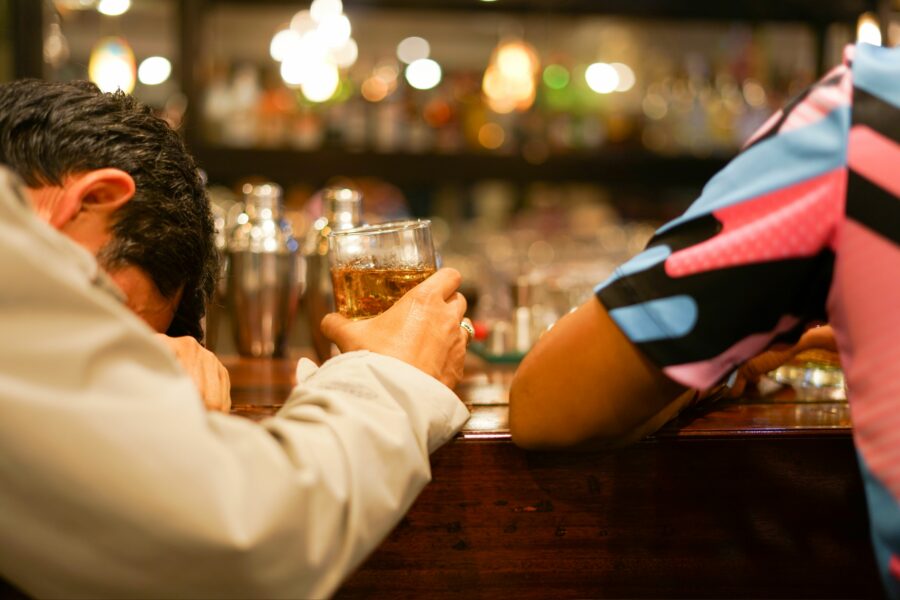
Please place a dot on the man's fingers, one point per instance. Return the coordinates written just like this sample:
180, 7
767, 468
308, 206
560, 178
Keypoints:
458, 302
444, 282
225, 387
332, 324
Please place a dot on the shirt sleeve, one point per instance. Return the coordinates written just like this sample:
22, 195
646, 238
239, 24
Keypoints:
750, 261
116, 482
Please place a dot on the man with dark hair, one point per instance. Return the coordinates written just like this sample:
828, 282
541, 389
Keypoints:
52, 132
115, 480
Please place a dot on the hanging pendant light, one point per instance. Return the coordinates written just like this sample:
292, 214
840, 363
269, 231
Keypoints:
112, 66
510, 79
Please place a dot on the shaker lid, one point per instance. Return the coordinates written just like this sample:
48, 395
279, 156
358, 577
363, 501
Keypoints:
262, 195
342, 207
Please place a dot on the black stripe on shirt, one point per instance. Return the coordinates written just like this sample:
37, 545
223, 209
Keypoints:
733, 302
873, 206
875, 113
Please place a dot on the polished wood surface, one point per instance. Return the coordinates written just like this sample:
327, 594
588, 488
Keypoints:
749, 498
260, 386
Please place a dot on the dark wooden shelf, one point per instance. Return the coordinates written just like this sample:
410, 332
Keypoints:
807, 11
611, 165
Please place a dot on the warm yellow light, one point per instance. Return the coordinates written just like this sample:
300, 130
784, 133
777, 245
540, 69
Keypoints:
113, 8
335, 30
509, 80
491, 136
346, 55
284, 43
754, 93
320, 10
602, 78
374, 89
513, 59
302, 22
320, 82
293, 71
111, 65
868, 30
423, 74
154, 70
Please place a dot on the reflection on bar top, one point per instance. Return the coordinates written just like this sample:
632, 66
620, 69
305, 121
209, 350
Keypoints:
259, 387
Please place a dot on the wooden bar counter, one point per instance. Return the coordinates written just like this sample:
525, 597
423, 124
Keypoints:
750, 498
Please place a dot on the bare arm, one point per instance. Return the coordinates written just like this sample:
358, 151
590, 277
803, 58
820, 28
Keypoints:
585, 381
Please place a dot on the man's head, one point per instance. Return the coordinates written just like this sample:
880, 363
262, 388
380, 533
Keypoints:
119, 181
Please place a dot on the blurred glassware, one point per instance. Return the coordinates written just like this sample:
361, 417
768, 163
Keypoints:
341, 209
815, 375
266, 273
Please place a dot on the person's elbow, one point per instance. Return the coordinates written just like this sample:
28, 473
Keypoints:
540, 418
539, 421
524, 423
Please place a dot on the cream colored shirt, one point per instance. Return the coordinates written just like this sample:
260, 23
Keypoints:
115, 482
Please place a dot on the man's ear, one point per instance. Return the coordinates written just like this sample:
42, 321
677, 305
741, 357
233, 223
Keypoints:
88, 201
97, 191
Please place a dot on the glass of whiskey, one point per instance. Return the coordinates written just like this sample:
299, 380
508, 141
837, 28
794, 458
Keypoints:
372, 266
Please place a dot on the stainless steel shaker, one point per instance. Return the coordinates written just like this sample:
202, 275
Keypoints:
265, 273
222, 204
341, 209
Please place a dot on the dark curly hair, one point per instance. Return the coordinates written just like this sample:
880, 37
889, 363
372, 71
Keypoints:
49, 130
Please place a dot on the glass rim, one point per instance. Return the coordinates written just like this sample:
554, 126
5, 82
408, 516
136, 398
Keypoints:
388, 227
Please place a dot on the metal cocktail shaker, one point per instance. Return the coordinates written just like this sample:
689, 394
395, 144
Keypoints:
265, 273
341, 209
222, 205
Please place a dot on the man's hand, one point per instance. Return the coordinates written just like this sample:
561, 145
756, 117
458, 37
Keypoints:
422, 329
210, 377
817, 338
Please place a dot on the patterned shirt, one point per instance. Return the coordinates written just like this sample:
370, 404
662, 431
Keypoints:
804, 225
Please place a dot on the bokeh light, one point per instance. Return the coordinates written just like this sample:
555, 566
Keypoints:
294, 70
556, 77
868, 31
509, 80
412, 49
113, 8
335, 30
320, 82
320, 10
346, 55
423, 74
754, 93
111, 65
374, 89
602, 78
154, 70
491, 136
284, 43
302, 22
626, 77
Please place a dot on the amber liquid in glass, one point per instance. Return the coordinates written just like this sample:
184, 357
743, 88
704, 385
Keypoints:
363, 293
